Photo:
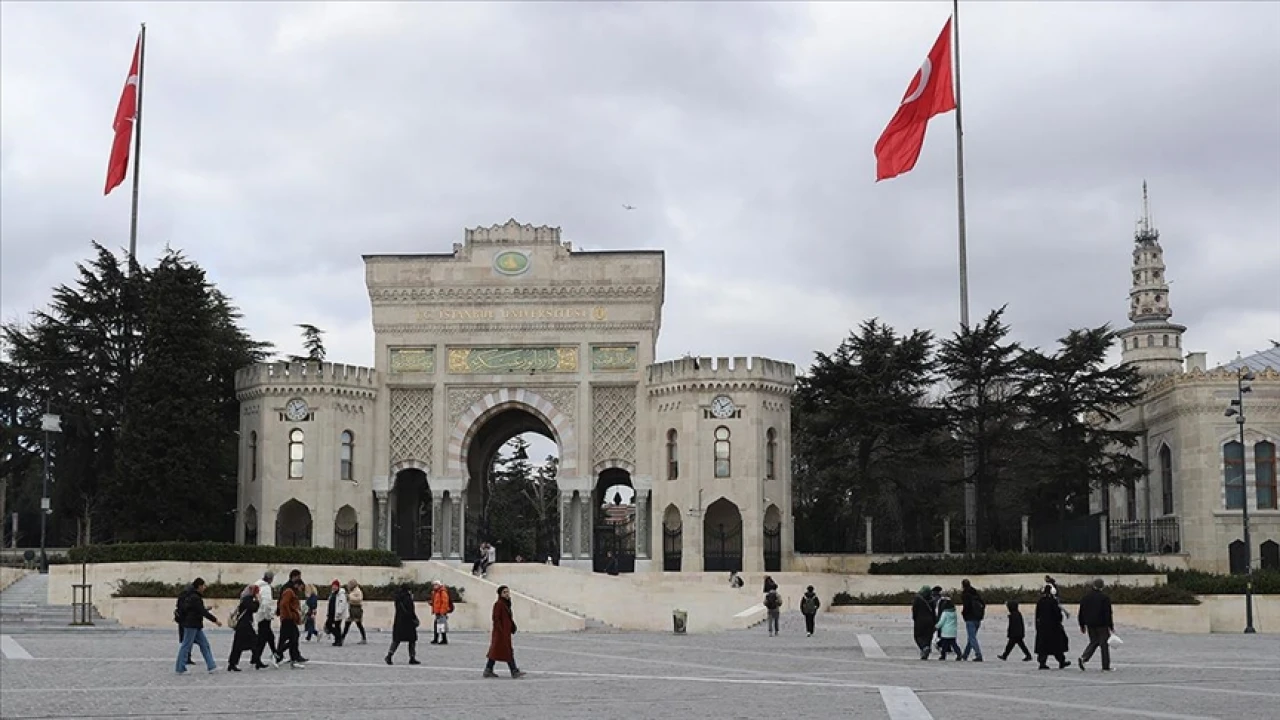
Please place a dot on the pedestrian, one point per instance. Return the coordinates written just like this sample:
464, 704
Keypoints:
769, 584
773, 604
441, 607
263, 618
1017, 632
924, 620
289, 608
194, 613
339, 610
1096, 620
809, 605
1051, 639
178, 609
404, 628
355, 610
246, 637
313, 602
504, 626
948, 626
611, 564
973, 610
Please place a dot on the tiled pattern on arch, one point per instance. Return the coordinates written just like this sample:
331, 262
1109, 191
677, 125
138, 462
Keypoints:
613, 423
412, 410
561, 426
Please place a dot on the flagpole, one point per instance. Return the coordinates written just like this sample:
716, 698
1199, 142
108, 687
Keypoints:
137, 149
970, 485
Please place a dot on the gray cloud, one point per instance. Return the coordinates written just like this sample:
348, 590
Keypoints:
282, 141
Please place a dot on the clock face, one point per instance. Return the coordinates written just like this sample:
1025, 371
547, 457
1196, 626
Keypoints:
296, 409
722, 406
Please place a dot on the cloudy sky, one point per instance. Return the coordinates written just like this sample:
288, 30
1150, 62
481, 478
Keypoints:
283, 141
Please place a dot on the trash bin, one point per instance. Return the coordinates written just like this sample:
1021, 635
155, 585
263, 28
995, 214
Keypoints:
680, 619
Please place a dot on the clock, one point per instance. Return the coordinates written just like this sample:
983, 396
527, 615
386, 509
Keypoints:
722, 407
296, 409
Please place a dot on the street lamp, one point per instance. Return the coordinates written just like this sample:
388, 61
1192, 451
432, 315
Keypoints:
50, 424
1236, 409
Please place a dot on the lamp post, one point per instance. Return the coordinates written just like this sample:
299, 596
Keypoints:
1236, 409
50, 424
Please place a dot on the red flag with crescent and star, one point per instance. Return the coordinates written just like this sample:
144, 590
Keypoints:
930, 93
126, 114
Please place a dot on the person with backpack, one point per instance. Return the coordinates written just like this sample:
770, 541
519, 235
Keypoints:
178, 609
809, 605
973, 610
773, 604
194, 613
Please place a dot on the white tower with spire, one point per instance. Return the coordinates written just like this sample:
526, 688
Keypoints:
1152, 343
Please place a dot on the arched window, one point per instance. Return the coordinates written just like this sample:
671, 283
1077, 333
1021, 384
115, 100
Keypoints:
1166, 480
770, 452
295, 454
1233, 474
1151, 341
722, 452
1165, 340
253, 456
673, 455
1264, 474
346, 453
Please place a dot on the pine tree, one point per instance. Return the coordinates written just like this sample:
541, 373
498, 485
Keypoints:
312, 343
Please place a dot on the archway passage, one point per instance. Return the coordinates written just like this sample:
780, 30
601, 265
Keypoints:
615, 522
512, 500
672, 539
772, 539
293, 525
722, 537
346, 528
411, 515
250, 525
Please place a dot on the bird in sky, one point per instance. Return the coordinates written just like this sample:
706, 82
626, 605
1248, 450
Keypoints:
628, 207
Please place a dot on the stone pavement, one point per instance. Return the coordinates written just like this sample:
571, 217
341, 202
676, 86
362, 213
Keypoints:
738, 674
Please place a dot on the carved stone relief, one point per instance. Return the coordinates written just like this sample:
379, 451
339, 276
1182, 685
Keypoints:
411, 424
613, 423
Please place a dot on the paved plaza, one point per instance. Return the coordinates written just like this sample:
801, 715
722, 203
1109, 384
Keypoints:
856, 667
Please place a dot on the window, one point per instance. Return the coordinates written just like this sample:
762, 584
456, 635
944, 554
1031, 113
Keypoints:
1233, 472
1166, 480
722, 452
770, 452
1165, 340
348, 447
295, 454
673, 456
1264, 474
253, 456
1151, 341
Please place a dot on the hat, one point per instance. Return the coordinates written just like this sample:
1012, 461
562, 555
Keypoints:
924, 589
335, 583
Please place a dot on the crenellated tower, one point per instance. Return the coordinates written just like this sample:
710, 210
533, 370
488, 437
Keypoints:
1151, 342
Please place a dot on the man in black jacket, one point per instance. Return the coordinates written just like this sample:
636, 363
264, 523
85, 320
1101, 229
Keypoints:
177, 619
194, 613
974, 611
1095, 619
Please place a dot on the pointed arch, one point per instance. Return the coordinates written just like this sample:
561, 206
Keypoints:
293, 524
495, 402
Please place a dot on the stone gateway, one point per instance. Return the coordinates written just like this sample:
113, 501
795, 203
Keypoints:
513, 332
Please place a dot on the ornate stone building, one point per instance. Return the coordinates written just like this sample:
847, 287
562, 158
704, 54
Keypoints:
1199, 474
511, 332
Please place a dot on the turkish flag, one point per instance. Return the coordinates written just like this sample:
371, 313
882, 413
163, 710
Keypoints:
126, 114
930, 93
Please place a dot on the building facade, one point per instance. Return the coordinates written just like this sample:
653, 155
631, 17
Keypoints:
513, 332
1199, 473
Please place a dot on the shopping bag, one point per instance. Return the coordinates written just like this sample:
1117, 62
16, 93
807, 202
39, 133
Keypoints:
1114, 640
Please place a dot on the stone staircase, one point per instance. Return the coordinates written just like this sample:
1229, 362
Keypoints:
24, 608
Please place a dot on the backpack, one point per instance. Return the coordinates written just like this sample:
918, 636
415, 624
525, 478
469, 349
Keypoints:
180, 606
771, 600
809, 605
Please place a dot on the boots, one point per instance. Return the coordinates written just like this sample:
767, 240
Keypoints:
444, 638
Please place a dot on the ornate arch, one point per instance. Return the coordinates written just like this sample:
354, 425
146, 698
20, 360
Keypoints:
613, 463
410, 465
497, 401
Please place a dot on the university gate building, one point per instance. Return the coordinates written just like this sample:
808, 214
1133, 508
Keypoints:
514, 332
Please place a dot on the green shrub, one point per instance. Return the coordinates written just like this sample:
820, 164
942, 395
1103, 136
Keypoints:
1012, 562
995, 598
1265, 582
229, 553
231, 591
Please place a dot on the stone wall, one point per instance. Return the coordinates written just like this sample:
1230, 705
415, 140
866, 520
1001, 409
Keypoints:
11, 575
860, 564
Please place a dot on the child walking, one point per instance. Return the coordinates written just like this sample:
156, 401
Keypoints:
947, 625
1017, 633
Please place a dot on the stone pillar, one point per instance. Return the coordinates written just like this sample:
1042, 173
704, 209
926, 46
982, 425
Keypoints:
1102, 534
1026, 533
642, 525
566, 525
439, 528
456, 530
946, 535
586, 526
868, 524
383, 520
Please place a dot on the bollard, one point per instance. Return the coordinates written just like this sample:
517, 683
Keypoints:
680, 619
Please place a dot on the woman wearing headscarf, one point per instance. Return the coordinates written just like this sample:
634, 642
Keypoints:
1051, 639
923, 620
504, 626
405, 626
246, 629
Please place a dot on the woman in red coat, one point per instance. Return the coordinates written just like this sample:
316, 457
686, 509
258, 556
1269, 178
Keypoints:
504, 626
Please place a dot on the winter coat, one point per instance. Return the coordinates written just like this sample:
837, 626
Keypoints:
339, 609
194, 613
1095, 611
265, 602
923, 619
289, 608
355, 598
972, 608
246, 629
770, 585
1017, 628
441, 603
810, 603
947, 623
405, 626
504, 626
1051, 638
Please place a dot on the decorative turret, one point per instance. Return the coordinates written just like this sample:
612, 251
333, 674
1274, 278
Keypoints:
1152, 343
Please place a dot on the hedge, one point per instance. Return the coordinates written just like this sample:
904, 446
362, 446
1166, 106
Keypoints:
1265, 582
996, 597
1014, 563
231, 591
229, 553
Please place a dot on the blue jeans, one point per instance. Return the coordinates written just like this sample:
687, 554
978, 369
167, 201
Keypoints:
195, 636
971, 632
